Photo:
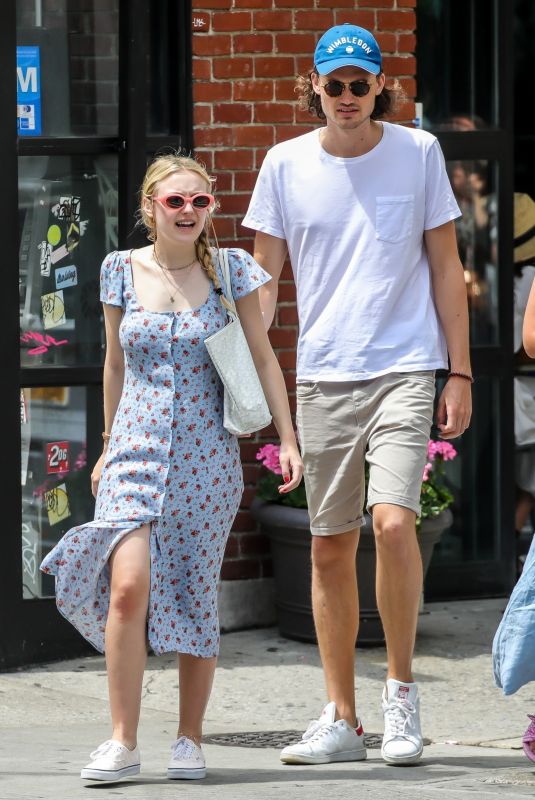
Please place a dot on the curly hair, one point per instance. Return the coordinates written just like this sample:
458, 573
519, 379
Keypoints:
386, 103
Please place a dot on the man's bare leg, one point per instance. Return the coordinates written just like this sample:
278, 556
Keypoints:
336, 615
399, 584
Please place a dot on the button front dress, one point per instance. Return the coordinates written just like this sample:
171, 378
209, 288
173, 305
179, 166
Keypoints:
169, 463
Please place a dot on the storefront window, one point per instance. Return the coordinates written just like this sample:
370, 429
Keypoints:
456, 64
68, 222
474, 186
55, 477
67, 67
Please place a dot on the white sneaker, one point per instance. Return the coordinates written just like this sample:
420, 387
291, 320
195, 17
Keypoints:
112, 761
326, 740
402, 741
187, 760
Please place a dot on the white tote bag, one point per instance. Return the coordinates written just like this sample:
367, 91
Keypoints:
245, 406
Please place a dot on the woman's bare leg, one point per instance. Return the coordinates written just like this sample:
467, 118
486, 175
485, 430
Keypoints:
196, 676
126, 634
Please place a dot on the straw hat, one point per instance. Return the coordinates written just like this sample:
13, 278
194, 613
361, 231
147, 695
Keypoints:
524, 230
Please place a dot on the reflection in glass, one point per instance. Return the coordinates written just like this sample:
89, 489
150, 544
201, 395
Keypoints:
456, 64
55, 478
474, 535
474, 185
164, 70
79, 55
68, 222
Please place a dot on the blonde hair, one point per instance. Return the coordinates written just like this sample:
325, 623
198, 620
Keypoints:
158, 170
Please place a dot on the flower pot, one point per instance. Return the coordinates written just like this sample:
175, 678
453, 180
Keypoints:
289, 533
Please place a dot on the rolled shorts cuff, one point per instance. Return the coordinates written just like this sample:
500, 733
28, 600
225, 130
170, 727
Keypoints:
393, 500
347, 526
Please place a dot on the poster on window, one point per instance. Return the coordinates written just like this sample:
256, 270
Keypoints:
28, 91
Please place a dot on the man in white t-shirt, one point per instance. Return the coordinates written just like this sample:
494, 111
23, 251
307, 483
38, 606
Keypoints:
365, 211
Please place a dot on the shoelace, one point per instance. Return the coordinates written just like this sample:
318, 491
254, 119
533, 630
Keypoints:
104, 749
322, 731
399, 716
313, 726
184, 748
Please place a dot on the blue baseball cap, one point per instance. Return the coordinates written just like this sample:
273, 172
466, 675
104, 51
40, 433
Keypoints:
347, 46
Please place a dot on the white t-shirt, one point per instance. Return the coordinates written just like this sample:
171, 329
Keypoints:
354, 229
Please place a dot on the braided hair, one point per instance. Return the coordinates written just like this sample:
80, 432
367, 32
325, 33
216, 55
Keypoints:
158, 170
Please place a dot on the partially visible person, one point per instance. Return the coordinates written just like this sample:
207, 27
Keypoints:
524, 275
513, 648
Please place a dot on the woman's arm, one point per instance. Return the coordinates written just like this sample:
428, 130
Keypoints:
113, 380
528, 329
273, 385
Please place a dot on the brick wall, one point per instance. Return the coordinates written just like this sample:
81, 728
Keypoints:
246, 54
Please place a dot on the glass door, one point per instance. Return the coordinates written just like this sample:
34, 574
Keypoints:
465, 88
86, 124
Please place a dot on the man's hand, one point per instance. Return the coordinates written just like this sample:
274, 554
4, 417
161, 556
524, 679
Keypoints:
454, 408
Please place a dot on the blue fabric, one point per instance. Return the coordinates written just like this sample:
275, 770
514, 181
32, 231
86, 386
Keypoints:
513, 649
169, 463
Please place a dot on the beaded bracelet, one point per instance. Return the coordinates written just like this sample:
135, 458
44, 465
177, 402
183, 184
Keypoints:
461, 375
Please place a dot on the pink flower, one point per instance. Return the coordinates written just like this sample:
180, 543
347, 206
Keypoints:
427, 469
269, 456
444, 450
81, 459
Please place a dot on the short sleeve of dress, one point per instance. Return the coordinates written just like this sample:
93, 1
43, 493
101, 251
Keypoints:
245, 274
112, 280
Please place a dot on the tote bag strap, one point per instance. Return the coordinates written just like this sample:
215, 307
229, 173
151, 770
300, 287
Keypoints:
225, 270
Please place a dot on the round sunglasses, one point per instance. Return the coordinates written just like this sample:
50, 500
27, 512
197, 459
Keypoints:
176, 201
335, 88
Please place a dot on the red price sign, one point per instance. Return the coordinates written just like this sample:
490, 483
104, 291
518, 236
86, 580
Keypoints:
57, 457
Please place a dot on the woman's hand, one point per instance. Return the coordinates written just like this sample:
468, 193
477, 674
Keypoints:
95, 475
292, 467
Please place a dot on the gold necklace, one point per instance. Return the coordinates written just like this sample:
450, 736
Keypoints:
171, 269
168, 283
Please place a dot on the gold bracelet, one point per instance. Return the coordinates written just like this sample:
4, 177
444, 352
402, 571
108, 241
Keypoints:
106, 436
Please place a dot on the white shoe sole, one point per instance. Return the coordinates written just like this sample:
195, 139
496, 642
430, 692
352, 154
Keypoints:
402, 761
344, 755
110, 775
186, 774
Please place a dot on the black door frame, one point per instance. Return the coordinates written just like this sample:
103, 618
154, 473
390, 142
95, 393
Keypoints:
32, 630
497, 575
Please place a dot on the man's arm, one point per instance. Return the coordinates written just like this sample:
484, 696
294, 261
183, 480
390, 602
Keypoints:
270, 252
449, 291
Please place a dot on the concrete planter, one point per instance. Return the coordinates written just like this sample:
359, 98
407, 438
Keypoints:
289, 533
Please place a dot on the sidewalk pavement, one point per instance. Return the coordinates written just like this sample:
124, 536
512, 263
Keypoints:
51, 716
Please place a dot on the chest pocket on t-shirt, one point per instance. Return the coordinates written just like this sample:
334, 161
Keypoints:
394, 217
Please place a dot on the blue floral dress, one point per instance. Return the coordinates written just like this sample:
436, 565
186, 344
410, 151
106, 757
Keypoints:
169, 463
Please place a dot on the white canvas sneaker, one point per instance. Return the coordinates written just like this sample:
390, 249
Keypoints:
187, 760
326, 740
112, 761
402, 741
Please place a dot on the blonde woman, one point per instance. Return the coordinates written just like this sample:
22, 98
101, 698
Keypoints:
169, 481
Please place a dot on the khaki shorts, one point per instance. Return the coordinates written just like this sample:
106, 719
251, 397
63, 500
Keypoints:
385, 420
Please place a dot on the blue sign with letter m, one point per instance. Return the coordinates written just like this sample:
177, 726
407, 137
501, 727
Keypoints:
28, 91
